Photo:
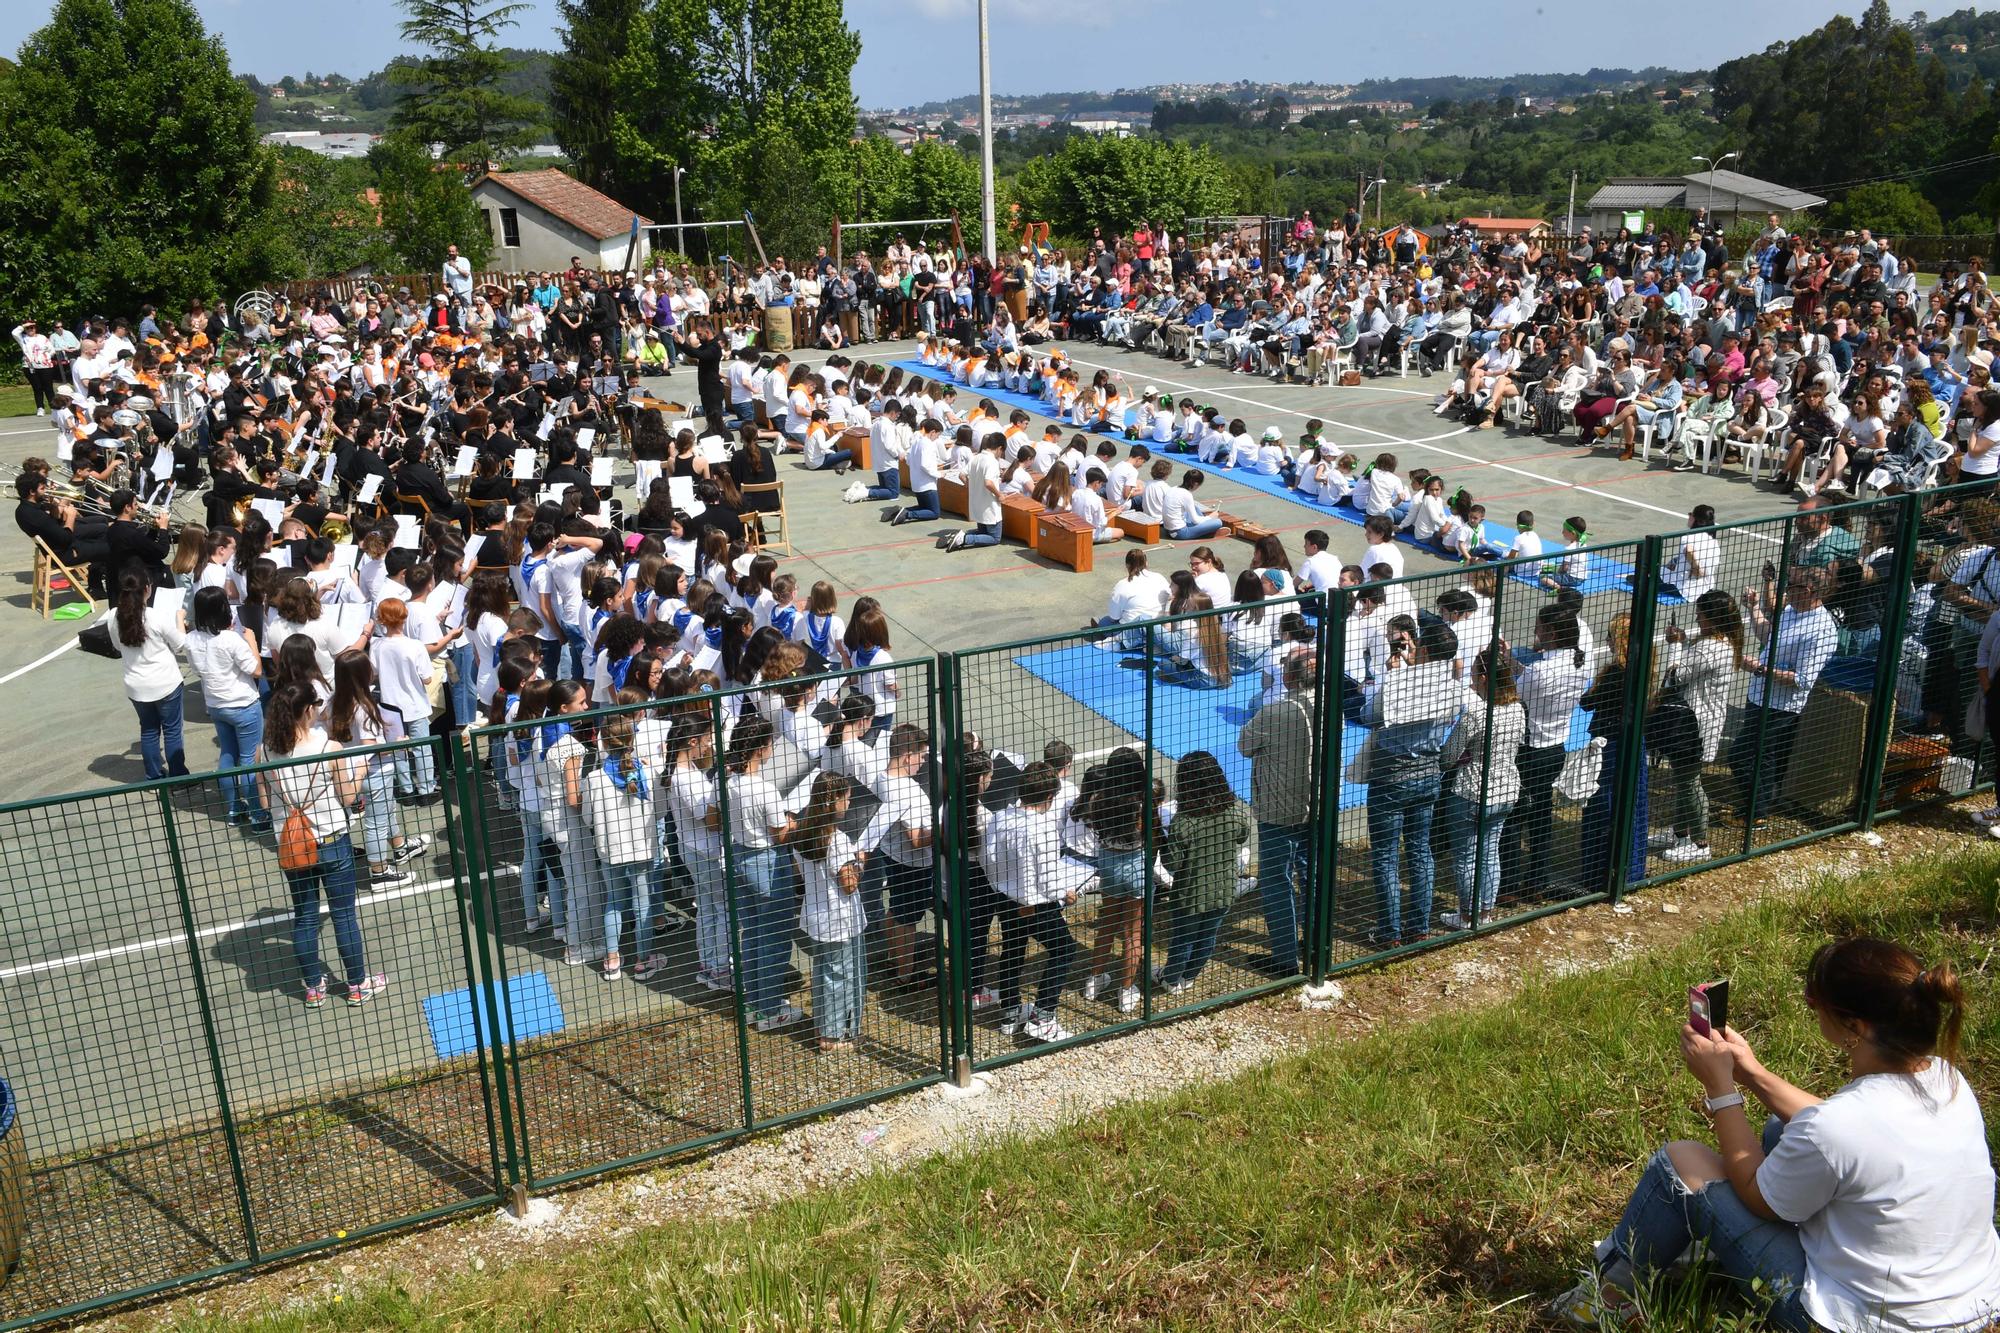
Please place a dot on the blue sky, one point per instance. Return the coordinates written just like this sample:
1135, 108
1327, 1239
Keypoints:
919, 50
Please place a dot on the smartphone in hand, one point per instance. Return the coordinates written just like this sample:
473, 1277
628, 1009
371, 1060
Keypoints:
1708, 1007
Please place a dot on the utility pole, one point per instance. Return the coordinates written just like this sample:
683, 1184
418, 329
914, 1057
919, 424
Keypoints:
1569, 215
987, 220
680, 232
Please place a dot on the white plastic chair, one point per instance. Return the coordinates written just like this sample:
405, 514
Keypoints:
1777, 426
1648, 430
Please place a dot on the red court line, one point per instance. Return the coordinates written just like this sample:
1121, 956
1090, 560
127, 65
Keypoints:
865, 550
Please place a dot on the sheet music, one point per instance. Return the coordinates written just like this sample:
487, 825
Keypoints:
584, 436
552, 494
348, 618
169, 599
163, 463
548, 424
676, 427
600, 472
473, 546
524, 463
344, 556
371, 486
272, 510
281, 556
326, 473
714, 448
306, 466
682, 491
462, 465
406, 532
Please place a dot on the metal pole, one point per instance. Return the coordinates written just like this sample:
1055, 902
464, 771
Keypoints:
1569, 214
680, 232
1889, 660
987, 218
1631, 771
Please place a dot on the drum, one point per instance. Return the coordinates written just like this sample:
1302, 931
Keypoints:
778, 328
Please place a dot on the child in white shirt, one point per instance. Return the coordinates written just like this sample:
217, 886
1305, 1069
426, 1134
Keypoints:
1572, 568
1382, 491
1272, 457
832, 913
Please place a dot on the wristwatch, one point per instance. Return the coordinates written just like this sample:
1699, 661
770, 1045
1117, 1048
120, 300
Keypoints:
1722, 1103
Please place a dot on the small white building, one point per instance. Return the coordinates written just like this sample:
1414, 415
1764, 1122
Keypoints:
539, 219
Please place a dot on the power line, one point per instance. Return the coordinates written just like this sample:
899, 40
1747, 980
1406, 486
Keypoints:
1905, 175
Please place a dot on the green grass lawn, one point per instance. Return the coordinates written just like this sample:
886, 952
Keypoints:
16, 400
1445, 1175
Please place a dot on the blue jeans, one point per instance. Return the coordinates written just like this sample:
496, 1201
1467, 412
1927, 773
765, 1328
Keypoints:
1399, 819
1282, 851
982, 534
764, 916
888, 485
628, 888
335, 875
839, 986
1193, 944
1664, 1217
541, 865
1480, 874
833, 457
1596, 830
551, 656
464, 698
578, 650
711, 913
1196, 531
160, 720
380, 820
416, 770
238, 733
926, 507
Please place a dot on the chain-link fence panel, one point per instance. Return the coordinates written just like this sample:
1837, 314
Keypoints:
326, 900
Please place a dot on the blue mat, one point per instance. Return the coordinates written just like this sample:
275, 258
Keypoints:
458, 1026
1113, 686
1606, 575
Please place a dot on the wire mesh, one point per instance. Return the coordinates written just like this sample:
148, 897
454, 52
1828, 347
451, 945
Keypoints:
334, 993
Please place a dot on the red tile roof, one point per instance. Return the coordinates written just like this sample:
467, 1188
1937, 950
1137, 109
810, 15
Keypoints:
590, 211
1503, 224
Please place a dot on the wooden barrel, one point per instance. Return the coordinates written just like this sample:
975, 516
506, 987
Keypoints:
1017, 303
778, 328
13, 1183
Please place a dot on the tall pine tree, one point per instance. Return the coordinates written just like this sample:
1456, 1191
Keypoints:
453, 96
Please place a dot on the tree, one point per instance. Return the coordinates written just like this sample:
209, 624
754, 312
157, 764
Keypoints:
130, 169
1115, 182
1889, 208
454, 96
425, 206
942, 181
583, 86
324, 224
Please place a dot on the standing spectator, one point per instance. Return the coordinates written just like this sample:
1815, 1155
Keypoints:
230, 666
458, 280
1605, 702
1552, 678
1405, 770
1699, 673
149, 640
38, 355
1200, 851
1797, 639
1278, 742
1479, 756
321, 795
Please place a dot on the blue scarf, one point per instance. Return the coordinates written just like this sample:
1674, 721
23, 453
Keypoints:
524, 741
681, 618
784, 619
619, 670
631, 781
865, 655
552, 734
642, 600
819, 633
713, 634
529, 568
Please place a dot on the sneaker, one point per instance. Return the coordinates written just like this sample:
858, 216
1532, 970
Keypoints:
649, 967
612, 969
1985, 818
1454, 921
572, 957
1664, 839
1685, 465
1686, 851
714, 979
983, 999
786, 1015
535, 925
369, 988
1128, 1000
316, 994
1048, 1030
956, 542
840, 469
391, 876
1245, 885
890, 515
1181, 987
412, 848
1020, 1017
1096, 985
1595, 1303
945, 539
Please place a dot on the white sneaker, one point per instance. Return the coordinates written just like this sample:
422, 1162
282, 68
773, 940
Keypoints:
1128, 1000
1686, 851
1454, 921
1245, 885
1096, 985
984, 999
787, 1015
1987, 816
1664, 839
1019, 1017
1179, 987
1047, 1029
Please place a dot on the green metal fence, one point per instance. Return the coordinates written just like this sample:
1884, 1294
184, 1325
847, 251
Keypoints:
1056, 840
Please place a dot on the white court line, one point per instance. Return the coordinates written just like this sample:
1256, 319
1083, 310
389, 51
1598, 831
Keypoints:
207, 932
43, 660
1425, 443
39, 430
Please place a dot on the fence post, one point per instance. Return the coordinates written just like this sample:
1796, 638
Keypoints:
1329, 700
186, 898
1146, 968
1632, 725
485, 970
1774, 611
735, 917
1888, 665
948, 861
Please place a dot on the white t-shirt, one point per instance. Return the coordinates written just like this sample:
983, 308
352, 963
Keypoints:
1986, 464
826, 913
485, 637
690, 794
905, 809
1141, 596
1382, 553
1320, 571
152, 672
313, 788
402, 669
756, 806
1697, 548
226, 666
1891, 1185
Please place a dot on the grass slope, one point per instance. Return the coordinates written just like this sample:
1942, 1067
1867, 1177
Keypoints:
1445, 1175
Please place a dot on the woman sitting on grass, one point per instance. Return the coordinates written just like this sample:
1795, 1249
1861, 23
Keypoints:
1868, 1209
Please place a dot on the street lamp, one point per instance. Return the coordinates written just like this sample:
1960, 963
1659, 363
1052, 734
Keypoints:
1713, 163
986, 208
1375, 185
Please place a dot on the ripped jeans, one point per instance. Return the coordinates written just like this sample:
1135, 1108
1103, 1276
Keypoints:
1664, 1218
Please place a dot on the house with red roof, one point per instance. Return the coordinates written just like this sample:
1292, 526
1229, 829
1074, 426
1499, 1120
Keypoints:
540, 219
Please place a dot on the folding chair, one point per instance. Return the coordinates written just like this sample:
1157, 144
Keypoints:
762, 537
47, 565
